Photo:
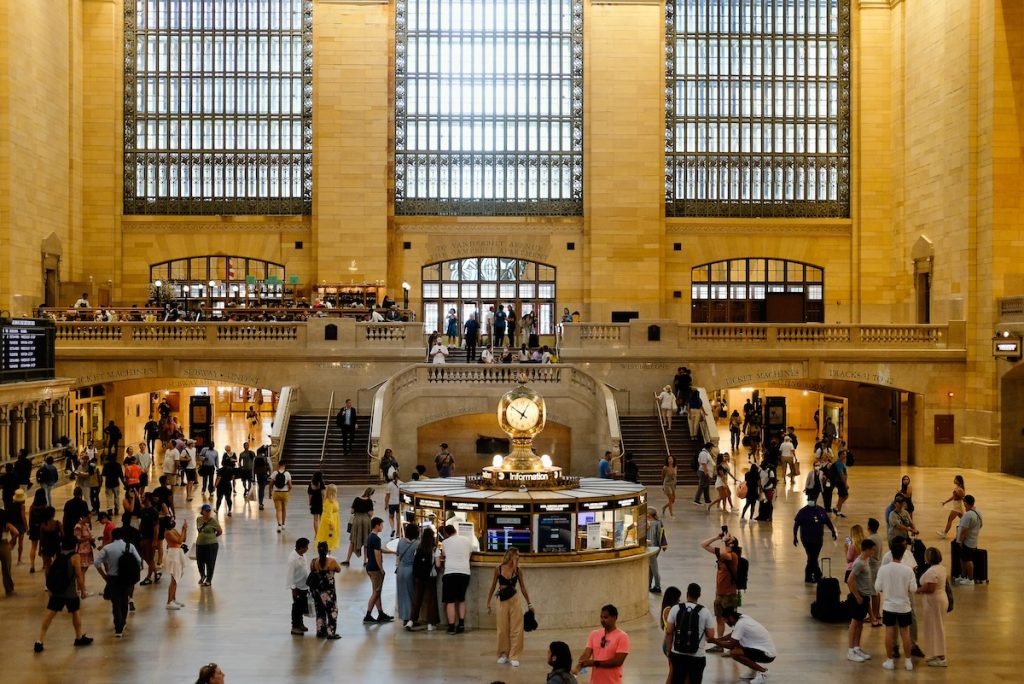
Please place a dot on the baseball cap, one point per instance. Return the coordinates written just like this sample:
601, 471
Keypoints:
206, 507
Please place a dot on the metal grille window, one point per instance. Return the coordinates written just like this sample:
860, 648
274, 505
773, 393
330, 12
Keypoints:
218, 106
757, 108
757, 290
489, 107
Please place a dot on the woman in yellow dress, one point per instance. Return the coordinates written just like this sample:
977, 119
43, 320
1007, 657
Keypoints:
330, 522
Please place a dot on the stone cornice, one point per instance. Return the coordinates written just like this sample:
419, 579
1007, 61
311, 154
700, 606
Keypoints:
878, 4
207, 227
776, 229
509, 229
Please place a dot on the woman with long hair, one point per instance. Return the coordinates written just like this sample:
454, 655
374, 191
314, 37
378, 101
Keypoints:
36, 514
669, 600
210, 674
908, 495
329, 527
424, 582
957, 497
86, 543
722, 483
315, 491
668, 485
362, 511
406, 553
510, 612
934, 604
735, 428
853, 543
325, 597
560, 660
174, 559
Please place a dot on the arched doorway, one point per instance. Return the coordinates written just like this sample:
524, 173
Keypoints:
474, 284
757, 290
1012, 420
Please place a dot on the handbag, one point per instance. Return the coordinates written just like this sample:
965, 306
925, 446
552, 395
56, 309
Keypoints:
741, 491
949, 597
310, 606
529, 620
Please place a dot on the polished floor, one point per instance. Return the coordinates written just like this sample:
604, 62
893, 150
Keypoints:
242, 621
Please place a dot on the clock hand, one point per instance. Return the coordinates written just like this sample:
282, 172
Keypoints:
521, 413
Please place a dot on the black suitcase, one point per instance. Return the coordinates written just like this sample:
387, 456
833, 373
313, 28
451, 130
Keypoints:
827, 605
981, 565
954, 560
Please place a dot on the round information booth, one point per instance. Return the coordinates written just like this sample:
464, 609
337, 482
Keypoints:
582, 541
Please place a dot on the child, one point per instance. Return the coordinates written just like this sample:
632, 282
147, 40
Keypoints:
104, 518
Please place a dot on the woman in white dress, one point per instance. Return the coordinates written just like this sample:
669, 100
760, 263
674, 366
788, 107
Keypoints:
667, 402
174, 562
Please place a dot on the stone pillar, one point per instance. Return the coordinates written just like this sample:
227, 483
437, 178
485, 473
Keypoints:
5, 434
58, 419
43, 438
18, 426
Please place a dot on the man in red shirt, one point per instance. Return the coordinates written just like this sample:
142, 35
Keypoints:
606, 651
726, 593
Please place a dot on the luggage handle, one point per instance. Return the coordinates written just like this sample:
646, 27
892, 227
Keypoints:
827, 558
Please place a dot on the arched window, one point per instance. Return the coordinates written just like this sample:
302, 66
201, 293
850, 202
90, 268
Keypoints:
757, 290
757, 108
218, 281
475, 284
218, 106
489, 107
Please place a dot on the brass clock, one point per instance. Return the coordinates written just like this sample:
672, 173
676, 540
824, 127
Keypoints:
521, 412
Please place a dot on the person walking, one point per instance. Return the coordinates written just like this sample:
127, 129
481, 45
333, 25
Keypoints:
404, 582
895, 582
655, 538
606, 651
151, 431
66, 585
208, 532
667, 404
957, 497
752, 480
322, 570
735, 421
688, 628
669, 474
8, 532
113, 479
424, 575
375, 571
705, 468
723, 474
315, 493
471, 333
810, 522
208, 469
244, 472
118, 588
346, 421
174, 559
509, 581
391, 497
329, 529
361, 512
261, 471
224, 484
298, 572
281, 489
933, 584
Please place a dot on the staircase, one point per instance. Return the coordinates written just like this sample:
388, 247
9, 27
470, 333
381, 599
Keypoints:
302, 451
642, 438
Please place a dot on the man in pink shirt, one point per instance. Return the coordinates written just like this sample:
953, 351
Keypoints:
606, 651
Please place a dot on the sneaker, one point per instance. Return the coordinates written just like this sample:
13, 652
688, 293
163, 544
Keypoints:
916, 651
715, 649
83, 640
761, 678
938, 662
514, 663
839, 513
964, 582
173, 606
131, 606
368, 619
656, 590
431, 628
889, 665
502, 660
119, 635
748, 675
38, 647
333, 637
279, 529
908, 664
297, 631
942, 534
384, 617
862, 653
853, 656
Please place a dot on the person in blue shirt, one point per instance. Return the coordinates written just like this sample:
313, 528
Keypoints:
839, 477
604, 467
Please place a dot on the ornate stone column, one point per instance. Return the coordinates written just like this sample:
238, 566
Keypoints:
18, 426
5, 433
42, 435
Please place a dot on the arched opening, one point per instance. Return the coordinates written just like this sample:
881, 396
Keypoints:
1012, 420
475, 284
218, 281
757, 290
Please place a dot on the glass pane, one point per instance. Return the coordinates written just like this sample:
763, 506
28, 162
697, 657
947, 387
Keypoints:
450, 270
507, 269
776, 271
758, 270
469, 269
470, 290
450, 290
432, 272
431, 317
813, 274
545, 272
815, 292
546, 290
527, 291
431, 290
507, 291
719, 272
794, 272
489, 269
489, 291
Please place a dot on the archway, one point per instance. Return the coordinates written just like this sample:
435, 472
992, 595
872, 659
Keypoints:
1011, 414
757, 290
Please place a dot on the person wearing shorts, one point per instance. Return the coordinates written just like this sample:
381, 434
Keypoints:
281, 485
749, 643
455, 553
896, 582
70, 598
375, 571
861, 588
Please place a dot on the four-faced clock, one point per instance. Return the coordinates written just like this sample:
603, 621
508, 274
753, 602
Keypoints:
522, 413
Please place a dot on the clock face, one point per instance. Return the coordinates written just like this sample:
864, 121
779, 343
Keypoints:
522, 414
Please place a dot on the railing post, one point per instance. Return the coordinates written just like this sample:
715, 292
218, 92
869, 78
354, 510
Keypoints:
772, 335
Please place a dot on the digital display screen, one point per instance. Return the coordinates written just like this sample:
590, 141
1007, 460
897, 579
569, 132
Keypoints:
554, 532
27, 349
507, 532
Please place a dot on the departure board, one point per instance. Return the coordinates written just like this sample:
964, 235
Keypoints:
27, 348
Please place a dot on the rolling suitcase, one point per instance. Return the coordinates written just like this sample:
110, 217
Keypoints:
827, 605
954, 560
981, 565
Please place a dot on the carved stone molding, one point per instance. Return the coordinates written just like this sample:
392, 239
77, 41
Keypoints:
754, 229
512, 230
185, 228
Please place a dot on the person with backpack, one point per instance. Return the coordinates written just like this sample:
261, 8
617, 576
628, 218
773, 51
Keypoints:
687, 630
727, 578
208, 457
120, 566
282, 486
66, 584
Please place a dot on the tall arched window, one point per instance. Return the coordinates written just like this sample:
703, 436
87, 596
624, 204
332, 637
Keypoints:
218, 281
757, 108
474, 284
218, 106
489, 107
757, 290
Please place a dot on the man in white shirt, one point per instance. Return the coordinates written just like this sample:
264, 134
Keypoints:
188, 457
705, 465
438, 353
455, 552
749, 643
170, 464
298, 572
896, 582
685, 646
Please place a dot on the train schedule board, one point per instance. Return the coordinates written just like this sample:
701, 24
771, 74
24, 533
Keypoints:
26, 349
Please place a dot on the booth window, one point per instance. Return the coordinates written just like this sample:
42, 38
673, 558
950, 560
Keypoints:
757, 290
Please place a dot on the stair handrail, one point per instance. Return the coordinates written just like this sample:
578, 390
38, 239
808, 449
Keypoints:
661, 424
327, 429
279, 428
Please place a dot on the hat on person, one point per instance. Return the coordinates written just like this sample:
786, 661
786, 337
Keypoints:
19, 495
206, 507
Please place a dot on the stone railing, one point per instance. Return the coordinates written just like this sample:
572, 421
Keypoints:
492, 374
691, 338
1011, 306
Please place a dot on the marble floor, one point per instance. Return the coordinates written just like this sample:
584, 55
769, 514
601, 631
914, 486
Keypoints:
242, 621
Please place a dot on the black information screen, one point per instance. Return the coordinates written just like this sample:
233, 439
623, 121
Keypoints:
27, 349
554, 532
505, 531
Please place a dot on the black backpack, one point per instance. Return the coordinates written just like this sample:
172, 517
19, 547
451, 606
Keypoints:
422, 564
687, 636
60, 575
129, 570
280, 481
